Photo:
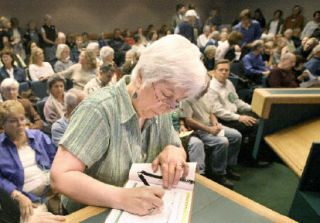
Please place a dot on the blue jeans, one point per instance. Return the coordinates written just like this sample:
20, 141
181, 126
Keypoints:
224, 149
196, 153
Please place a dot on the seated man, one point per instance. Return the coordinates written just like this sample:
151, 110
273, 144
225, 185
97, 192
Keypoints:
282, 75
72, 99
9, 91
223, 142
313, 65
105, 74
254, 66
232, 111
195, 147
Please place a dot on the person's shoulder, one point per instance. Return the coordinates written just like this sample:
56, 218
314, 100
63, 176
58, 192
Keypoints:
47, 64
255, 22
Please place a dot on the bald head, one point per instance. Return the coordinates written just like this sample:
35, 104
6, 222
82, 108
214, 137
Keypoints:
287, 61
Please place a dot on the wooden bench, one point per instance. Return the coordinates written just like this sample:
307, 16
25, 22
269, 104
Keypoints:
293, 144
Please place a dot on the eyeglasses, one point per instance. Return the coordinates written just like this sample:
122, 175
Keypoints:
16, 120
168, 101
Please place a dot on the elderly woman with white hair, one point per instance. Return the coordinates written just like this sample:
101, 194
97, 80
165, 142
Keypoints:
9, 91
128, 123
107, 56
63, 56
204, 38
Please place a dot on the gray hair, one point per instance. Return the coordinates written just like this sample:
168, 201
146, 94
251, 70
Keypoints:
8, 82
256, 44
288, 31
72, 97
175, 59
209, 49
47, 16
106, 51
206, 28
92, 46
60, 49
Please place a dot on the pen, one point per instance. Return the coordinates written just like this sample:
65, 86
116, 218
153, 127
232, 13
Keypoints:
160, 177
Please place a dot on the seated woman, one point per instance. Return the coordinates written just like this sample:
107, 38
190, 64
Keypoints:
38, 69
9, 91
9, 69
208, 60
227, 49
63, 55
54, 107
94, 46
25, 158
81, 73
127, 123
107, 56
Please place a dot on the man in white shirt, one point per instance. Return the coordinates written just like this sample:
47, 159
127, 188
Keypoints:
232, 111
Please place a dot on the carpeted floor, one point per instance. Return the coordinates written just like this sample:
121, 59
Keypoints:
273, 186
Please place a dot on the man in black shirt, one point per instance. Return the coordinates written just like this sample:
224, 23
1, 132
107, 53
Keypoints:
49, 35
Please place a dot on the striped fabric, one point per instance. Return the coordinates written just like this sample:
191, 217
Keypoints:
104, 133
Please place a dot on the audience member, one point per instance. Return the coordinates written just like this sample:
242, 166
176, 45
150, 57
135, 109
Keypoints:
295, 20
76, 50
138, 46
131, 55
254, 66
140, 32
197, 24
233, 112
31, 35
280, 44
5, 35
71, 40
17, 38
83, 71
152, 37
306, 48
185, 28
258, 16
214, 40
249, 28
179, 15
296, 37
85, 39
127, 37
25, 159
62, 54
94, 46
214, 19
54, 107
282, 75
223, 38
119, 46
38, 69
312, 25
9, 69
18, 61
127, 68
274, 26
227, 50
209, 54
267, 55
107, 56
313, 65
223, 142
298, 68
103, 78
72, 98
290, 47
49, 35
9, 91
204, 38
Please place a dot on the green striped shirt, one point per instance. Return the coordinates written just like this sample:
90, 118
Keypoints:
104, 134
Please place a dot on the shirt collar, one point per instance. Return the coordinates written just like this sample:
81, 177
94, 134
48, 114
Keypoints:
4, 137
126, 108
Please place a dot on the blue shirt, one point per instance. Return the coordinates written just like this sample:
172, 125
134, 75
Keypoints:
212, 42
251, 34
313, 65
253, 64
11, 169
186, 30
57, 130
18, 74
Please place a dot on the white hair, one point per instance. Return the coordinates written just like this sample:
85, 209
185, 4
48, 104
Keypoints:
215, 34
206, 28
106, 51
61, 35
72, 97
60, 48
174, 59
92, 46
191, 13
288, 31
8, 82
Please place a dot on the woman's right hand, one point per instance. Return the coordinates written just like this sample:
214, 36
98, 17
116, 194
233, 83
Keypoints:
45, 217
26, 206
143, 200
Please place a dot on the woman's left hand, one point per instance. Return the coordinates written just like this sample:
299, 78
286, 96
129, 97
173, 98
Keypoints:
172, 161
